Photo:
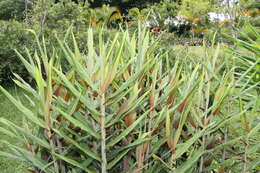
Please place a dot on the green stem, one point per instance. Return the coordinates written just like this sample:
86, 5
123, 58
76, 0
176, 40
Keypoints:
103, 135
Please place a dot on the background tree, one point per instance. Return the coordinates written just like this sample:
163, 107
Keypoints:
196, 13
14, 9
123, 5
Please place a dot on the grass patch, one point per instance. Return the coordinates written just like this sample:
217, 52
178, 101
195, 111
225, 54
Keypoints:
10, 112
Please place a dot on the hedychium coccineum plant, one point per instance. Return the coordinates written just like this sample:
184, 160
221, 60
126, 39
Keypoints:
245, 56
123, 105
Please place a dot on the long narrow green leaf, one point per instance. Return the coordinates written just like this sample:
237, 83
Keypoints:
29, 114
127, 130
254, 164
28, 66
85, 148
132, 79
184, 148
190, 161
32, 158
81, 71
21, 83
79, 124
117, 159
73, 162
138, 141
254, 130
69, 85
12, 156
169, 168
9, 133
27, 134
130, 108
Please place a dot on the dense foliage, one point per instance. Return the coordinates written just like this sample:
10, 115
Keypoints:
108, 94
11, 9
49, 17
248, 66
125, 106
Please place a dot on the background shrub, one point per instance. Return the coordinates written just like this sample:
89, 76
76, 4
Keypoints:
13, 36
13, 9
58, 19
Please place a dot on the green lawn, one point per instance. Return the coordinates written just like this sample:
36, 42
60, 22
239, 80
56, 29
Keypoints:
9, 111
